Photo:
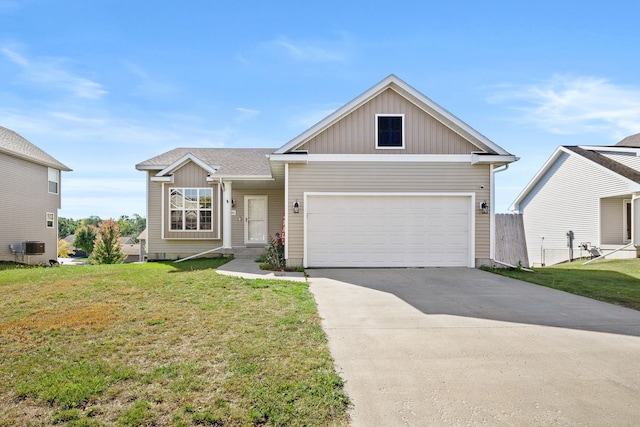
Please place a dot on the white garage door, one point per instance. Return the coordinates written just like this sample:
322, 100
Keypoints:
388, 231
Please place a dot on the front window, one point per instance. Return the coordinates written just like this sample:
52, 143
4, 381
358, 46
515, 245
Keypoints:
389, 131
50, 219
191, 209
54, 181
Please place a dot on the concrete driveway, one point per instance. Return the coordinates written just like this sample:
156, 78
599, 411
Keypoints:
449, 346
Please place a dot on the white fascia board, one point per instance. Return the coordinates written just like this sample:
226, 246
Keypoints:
515, 206
335, 116
486, 159
218, 178
451, 118
149, 167
391, 193
289, 158
389, 82
612, 149
401, 158
184, 159
168, 179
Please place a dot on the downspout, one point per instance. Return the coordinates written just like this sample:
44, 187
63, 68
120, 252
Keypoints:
492, 220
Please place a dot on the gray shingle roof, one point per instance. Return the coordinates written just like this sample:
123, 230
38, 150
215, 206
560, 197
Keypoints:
608, 163
13, 144
231, 161
630, 141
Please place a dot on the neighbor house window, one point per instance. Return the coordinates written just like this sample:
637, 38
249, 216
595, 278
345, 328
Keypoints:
54, 181
50, 219
191, 209
389, 131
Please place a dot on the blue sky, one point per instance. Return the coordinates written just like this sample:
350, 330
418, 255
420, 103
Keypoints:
103, 85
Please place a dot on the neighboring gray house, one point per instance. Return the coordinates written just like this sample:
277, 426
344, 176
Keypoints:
391, 179
592, 192
31, 180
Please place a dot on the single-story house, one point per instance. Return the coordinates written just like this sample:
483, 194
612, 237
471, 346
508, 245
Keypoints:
32, 183
583, 202
391, 179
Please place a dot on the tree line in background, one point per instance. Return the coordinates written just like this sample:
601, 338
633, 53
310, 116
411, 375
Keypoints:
99, 238
130, 226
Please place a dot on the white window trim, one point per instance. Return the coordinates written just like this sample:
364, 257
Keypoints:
378, 147
50, 216
215, 211
55, 174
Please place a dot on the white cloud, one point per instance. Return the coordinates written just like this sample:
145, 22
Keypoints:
246, 114
149, 85
569, 105
315, 51
51, 74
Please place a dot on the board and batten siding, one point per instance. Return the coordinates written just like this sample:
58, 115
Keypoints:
355, 133
385, 177
25, 205
566, 198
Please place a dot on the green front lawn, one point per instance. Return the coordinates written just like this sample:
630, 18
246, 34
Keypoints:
162, 344
612, 281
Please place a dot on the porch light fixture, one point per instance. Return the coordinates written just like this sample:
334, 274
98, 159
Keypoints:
296, 207
484, 207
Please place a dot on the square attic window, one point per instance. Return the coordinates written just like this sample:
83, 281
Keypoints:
389, 131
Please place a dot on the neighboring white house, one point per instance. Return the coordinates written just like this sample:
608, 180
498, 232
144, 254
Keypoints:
589, 193
31, 181
391, 179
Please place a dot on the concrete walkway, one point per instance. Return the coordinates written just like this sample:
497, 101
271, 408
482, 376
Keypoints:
249, 269
420, 347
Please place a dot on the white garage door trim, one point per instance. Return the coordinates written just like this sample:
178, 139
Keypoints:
469, 196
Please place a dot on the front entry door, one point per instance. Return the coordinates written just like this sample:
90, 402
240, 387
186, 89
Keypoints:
255, 221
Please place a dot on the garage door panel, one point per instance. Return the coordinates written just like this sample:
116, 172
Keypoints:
387, 230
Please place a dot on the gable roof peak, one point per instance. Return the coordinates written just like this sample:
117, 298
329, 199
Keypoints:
412, 95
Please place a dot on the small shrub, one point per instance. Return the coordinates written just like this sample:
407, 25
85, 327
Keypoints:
273, 256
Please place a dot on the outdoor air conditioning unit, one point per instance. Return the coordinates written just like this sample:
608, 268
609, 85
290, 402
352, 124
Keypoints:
34, 248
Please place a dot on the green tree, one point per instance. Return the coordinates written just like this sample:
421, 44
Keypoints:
132, 226
85, 238
67, 227
92, 220
107, 249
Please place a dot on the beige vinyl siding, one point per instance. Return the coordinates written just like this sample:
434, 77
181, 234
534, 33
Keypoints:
160, 248
25, 205
275, 212
385, 177
566, 198
355, 133
612, 230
